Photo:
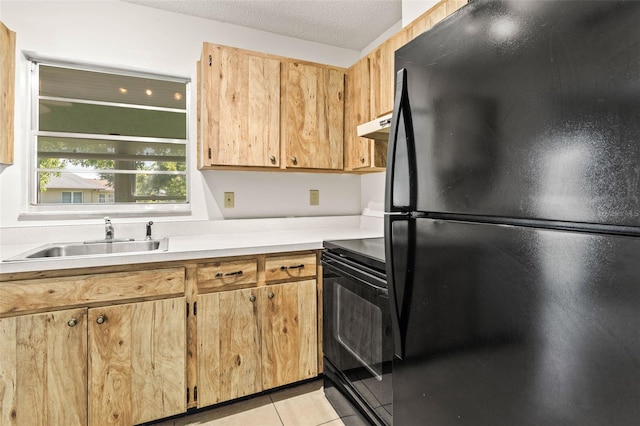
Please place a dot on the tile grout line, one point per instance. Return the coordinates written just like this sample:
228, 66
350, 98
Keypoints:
276, 408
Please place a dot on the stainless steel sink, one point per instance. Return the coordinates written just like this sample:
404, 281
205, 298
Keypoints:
92, 248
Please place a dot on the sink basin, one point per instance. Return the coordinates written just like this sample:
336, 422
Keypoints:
92, 248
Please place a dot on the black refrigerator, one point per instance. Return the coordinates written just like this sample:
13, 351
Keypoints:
512, 229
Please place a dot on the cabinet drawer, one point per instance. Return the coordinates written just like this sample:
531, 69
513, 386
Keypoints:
278, 268
50, 293
221, 275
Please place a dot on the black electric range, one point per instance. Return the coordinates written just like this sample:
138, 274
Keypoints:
368, 251
357, 341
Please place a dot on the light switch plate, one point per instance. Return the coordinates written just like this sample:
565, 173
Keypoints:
228, 200
314, 197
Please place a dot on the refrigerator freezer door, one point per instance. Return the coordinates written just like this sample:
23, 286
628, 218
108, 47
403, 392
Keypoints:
520, 326
401, 172
524, 110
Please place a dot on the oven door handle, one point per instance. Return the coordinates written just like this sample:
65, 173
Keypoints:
353, 273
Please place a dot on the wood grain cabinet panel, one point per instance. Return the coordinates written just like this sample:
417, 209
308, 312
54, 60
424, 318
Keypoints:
7, 92
137, 362
42, 294
313, 118
381, 60
434, 15
290, 267
255, 339
289, 333
240, 107
382, 74
229, 353
357, 111
43, 369
360, 154
225, 275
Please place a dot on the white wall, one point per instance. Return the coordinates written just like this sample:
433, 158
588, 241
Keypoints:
126, 35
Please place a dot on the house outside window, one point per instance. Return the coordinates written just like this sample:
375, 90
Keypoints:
105, 198
71, 197
114, 137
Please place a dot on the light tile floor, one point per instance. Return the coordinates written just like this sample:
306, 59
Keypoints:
303, 405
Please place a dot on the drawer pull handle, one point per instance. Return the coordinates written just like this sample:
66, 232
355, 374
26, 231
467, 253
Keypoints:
100, 319
252, 298
271, 295
72, 322
228, 274
284, 268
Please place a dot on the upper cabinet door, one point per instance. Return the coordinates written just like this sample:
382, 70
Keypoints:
434, 15
357, 111
240, 111
313, 117
7, 91
381, 71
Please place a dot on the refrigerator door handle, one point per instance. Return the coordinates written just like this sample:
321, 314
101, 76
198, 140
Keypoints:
401, 155
398, 246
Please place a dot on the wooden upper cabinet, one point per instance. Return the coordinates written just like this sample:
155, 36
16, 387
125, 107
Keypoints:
357, 153
240, 108
313, 116
7, 92
434, 15
382, 74
381, 60
43, 369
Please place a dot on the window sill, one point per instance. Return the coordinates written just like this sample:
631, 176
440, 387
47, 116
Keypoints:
74, 212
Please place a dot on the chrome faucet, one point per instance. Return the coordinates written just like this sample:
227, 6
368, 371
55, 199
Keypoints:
148, 237
108, 229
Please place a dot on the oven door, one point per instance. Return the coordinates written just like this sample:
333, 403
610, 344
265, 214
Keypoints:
357, 341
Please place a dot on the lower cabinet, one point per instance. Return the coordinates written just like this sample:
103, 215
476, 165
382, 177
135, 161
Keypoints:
91, 348
120, 365
43, 368
255, 339
289, 333
137, 361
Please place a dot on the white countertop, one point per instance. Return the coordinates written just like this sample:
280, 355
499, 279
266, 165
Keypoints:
279, 236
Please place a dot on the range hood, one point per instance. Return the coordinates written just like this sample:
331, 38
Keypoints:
377, 129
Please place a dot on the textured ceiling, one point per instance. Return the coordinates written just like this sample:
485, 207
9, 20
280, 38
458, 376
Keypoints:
350, 24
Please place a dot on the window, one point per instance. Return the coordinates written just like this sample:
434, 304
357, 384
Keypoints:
119, 133
71, 197
105, 198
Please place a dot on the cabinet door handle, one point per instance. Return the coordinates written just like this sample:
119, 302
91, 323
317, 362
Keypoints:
252, 298
294, 160
362, 160
270, 295
228, 274
284, 268
100, 319
272, 159
72, 322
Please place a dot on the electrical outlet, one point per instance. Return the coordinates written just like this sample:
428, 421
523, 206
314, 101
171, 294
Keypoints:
228, 200
314, 197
